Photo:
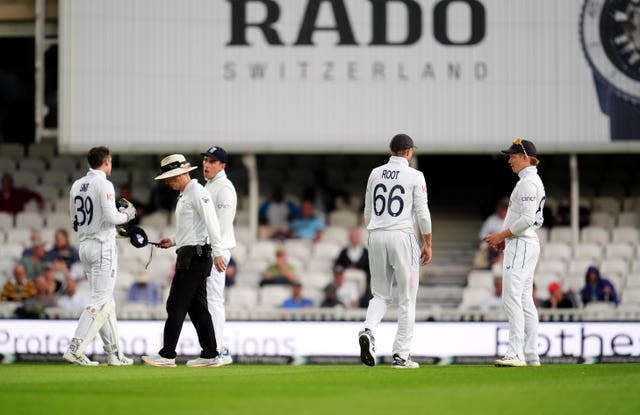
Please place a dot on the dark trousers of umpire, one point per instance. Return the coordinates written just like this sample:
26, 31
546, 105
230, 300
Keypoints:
188, 294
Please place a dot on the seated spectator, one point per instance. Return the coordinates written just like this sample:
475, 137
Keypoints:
62, 249
309, 226
346, 294
143, 290
34, 306
487, 256
296, 300
230, 273
493, 301
331, 297
275, 215
597, 288
280, 272
126, 191
563, 214
558, 298
20, 288
14, 199
71, 299
355, 255
54, 285
34, 264
36, 238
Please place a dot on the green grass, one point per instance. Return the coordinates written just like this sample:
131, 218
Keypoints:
325, 389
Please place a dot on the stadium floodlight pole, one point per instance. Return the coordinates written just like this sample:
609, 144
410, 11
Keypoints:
575, 198
249, 161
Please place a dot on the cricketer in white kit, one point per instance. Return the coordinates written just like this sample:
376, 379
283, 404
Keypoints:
225, 201
94, 215
521, 252
396, 196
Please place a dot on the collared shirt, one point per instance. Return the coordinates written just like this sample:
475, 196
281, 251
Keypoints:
225, 200
396, 194
196, 220
92, 204
526, 204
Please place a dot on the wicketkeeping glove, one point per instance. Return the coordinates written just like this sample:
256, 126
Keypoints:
126, 207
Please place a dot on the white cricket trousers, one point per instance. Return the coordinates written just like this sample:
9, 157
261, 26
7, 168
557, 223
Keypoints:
215, 300
394, 256
519, 264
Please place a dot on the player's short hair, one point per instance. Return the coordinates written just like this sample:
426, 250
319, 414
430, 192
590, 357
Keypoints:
97, 156
534, 160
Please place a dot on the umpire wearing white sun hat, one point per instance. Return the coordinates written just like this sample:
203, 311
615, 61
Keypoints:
197, 229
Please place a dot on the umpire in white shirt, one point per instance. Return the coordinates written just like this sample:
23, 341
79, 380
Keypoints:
197, 230
225, 201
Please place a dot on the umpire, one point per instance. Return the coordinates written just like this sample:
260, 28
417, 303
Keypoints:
196, 225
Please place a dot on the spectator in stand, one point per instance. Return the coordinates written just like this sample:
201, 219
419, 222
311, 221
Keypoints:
62, 250
126, 191
280, 272
355, 255
297, 300
275, 215
143, 290
309, 226
346, 294
558, 298
331, 297
34, 307
34, 264
54, 285
597, 288
20, 288
562, 216
487, 255
71, 299
36, 238
13, 199
230, 273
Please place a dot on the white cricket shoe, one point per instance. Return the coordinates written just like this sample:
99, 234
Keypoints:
367, 347
510, 361
534, 363
159, 361
205, 362
78, 359
225, 356
400, 363
114, 360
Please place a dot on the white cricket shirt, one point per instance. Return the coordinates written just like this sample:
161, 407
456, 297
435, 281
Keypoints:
526, 203
225, 200
396, 196
92, 204
196, 221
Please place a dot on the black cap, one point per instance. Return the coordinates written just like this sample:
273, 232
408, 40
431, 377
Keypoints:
401, 142
217, 153
521, 146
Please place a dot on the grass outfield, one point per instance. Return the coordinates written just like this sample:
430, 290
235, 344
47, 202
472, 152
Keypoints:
324, 389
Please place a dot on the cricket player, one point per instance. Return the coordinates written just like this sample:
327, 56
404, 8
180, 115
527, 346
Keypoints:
225, 200
519, 241
396, 196
94, 214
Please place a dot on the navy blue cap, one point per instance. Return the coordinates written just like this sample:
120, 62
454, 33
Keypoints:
217, 153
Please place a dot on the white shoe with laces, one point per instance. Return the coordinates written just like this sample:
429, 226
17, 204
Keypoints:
205, 362
225, 356
367, 347
510, 361
159, 361
77, 359
113, 359
400, 363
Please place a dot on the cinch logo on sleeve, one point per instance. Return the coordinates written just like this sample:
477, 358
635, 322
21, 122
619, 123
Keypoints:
528, 199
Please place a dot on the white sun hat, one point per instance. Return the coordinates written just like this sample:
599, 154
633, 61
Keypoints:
174, 165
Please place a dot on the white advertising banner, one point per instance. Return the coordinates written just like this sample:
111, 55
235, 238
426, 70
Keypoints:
345, 75
334, 338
